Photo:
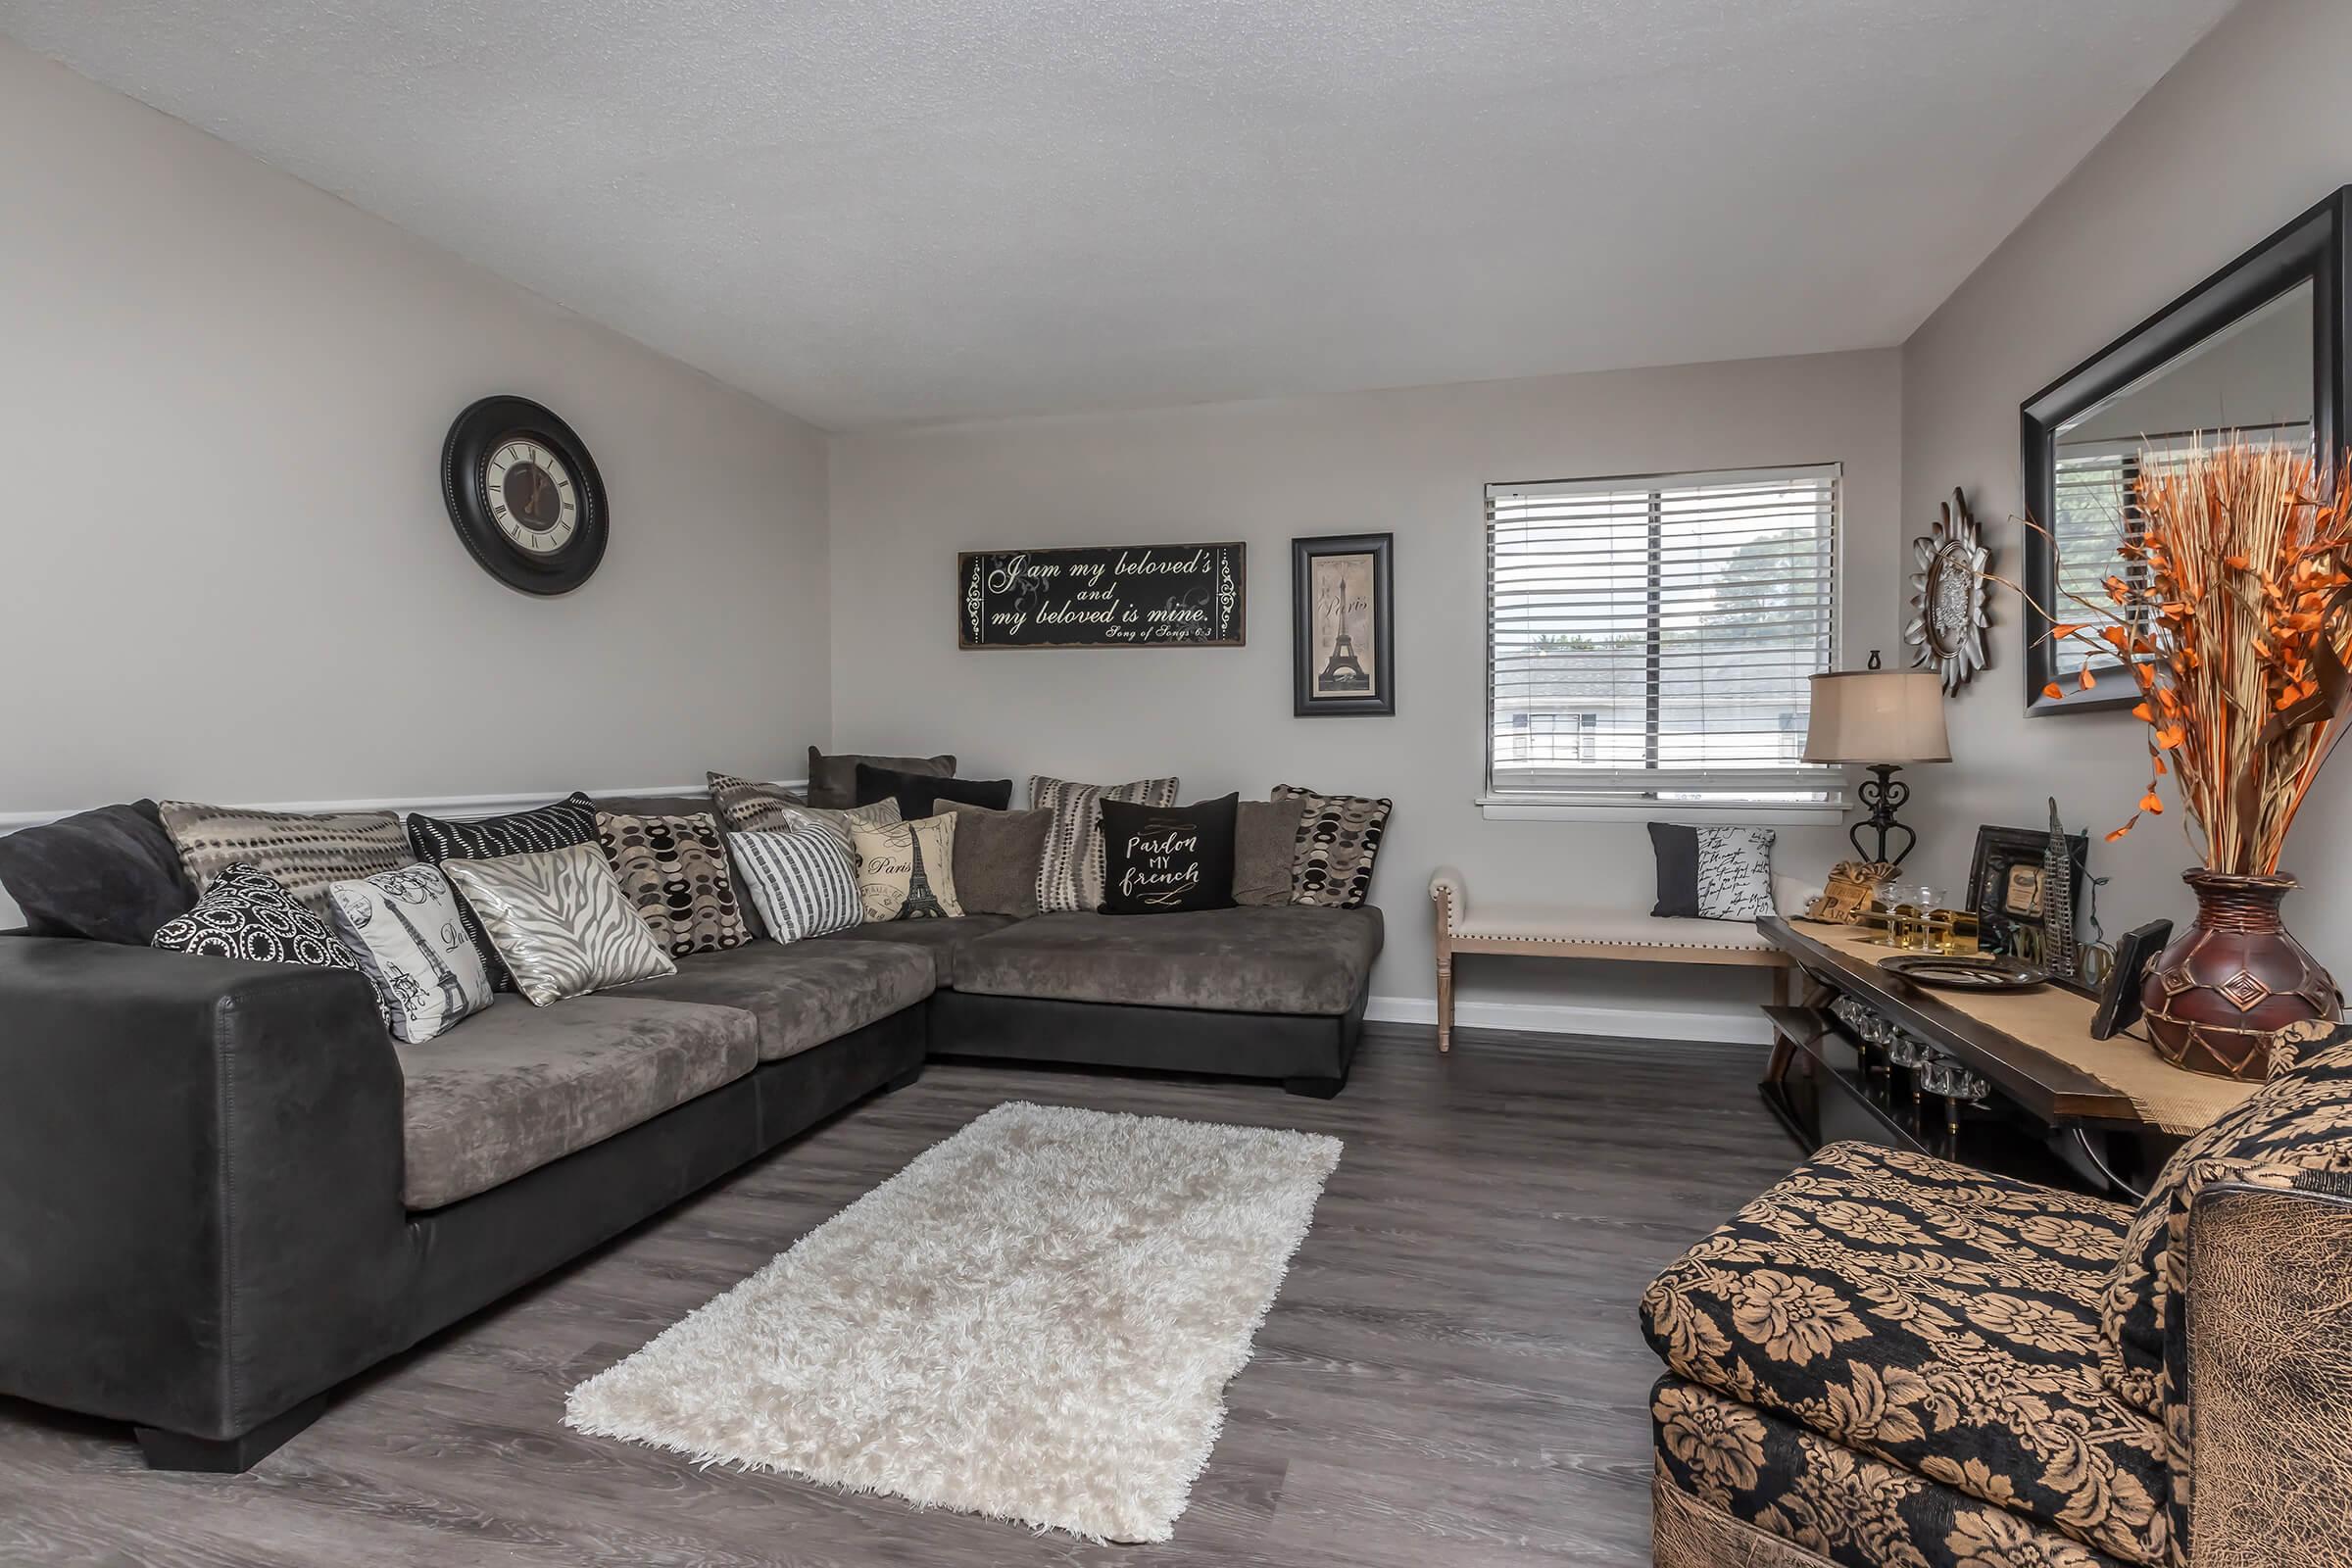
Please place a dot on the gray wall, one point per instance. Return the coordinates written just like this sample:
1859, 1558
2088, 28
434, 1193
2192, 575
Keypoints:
2250, 128
228, 574
1413, 462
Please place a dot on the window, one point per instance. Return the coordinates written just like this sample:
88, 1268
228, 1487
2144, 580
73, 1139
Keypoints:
1651, 639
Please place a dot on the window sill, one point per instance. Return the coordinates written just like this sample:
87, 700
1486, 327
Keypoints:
1727, 813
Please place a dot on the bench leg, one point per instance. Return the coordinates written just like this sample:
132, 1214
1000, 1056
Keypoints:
1444, 1000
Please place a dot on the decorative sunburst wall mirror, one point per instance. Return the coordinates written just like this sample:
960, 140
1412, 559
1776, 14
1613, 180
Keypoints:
1949, 595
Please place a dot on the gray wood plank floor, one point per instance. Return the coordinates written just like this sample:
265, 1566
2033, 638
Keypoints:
1451, 1375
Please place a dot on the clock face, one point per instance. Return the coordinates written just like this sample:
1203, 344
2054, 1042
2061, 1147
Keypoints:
524, 495
533, 494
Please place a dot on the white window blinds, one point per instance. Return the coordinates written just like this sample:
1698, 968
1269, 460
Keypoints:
1652, 638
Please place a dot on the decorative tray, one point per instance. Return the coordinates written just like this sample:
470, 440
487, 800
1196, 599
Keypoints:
1988, 973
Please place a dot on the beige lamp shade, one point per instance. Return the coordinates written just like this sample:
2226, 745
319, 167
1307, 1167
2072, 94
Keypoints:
1878, 715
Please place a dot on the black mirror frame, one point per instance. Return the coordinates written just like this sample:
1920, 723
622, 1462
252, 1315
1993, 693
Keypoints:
2311, 249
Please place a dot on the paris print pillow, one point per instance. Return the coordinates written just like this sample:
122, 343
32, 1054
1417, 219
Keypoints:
405, 929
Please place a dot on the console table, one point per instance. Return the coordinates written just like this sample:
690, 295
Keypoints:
2010, 1083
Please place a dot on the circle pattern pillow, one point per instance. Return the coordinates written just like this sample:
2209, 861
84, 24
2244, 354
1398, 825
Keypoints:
245, 914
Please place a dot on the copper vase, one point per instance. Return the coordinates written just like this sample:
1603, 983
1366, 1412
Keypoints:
2216, 998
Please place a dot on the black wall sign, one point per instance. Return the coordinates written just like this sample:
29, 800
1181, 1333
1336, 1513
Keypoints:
1105, 595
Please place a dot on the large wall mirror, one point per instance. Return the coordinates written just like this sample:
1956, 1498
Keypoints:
2257, 348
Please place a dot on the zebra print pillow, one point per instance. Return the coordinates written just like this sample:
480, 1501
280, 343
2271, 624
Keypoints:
571, 820
803, 880
560, 921
404, 929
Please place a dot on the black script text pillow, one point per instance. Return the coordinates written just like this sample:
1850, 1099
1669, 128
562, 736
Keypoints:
1166, 860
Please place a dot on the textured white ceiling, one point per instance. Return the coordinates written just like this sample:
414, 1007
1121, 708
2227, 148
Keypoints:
881, 210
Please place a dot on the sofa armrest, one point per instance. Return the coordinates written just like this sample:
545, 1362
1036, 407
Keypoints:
2267, 1427
200, 1169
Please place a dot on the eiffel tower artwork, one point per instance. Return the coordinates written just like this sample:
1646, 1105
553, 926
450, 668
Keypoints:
1344, 672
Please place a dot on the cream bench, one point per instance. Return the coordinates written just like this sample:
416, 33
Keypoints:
1626, 936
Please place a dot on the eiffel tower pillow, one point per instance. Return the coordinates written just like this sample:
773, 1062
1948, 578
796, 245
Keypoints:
907, 871
405, 930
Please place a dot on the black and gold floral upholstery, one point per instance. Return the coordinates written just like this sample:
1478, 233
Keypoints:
1840, 1506
2299, 1121
1937, 1318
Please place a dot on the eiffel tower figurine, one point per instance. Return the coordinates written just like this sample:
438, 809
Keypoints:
1344, 673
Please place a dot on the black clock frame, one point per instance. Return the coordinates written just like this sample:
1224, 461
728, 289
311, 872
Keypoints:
473, 435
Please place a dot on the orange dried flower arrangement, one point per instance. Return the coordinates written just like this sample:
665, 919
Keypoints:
2233, 615
2237, 626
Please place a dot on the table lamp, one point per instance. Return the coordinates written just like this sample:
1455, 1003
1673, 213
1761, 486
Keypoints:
1880, 718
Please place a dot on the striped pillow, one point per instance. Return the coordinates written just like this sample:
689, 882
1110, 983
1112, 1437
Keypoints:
801, 878
1070, 877
304, 854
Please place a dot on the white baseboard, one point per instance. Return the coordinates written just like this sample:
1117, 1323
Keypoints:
1722, 1026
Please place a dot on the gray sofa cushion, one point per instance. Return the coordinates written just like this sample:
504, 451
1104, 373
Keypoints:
1293, 959
803, 993
942, 939
519, 1087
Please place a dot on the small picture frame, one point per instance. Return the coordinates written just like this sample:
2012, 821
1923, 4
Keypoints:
1343, 626
2119, 994
2005, 888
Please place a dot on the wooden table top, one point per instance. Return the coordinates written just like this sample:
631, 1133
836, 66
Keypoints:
2026, 1059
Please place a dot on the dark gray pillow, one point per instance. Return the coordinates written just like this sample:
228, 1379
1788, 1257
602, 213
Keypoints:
833, 780
997, 858
1265, 841
107, 875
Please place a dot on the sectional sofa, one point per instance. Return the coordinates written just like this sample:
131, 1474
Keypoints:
224, 1190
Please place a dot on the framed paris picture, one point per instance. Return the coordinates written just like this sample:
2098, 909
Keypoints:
1343, 626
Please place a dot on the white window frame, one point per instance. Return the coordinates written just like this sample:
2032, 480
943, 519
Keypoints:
1625, 801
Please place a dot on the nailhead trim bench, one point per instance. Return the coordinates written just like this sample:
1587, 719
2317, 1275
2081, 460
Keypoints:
1540, 932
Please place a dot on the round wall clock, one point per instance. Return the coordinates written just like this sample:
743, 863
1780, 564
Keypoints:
524, 496
1948, 595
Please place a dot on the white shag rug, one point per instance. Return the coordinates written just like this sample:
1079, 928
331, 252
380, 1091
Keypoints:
1035, 1321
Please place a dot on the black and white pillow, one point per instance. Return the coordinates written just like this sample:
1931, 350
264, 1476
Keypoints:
406, 930
1167, 860
245, 914
538, 831
1713, 873
803, 879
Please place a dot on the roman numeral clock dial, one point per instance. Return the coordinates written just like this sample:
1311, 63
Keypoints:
523, 495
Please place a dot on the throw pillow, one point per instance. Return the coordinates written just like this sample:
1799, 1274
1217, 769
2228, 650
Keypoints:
107, 875
747, 805
303, 853
1339, 841
803, 878
882, 814
1712, 873
674, 870
833, 780
1070, 877
554, 826
907, 871
921, 794
1167, 860
1265, 840
560, 921
405, 930
246, 913
2299, 1122
997, 857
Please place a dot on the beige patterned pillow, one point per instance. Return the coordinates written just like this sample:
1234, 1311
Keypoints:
303, 852
1337, 842
674, 870
907, 871
1070, 877
843, 823
560, 921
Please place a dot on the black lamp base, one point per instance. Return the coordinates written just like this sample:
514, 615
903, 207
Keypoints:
1885, 795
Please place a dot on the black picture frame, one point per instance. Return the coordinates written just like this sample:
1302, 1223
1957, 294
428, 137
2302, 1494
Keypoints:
2118, 997
1312, 693
2309, 250
2000, 852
